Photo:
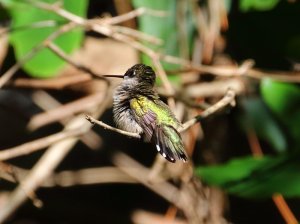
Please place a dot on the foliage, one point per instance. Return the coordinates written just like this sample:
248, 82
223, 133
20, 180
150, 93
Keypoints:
284, 100
166, 28
258, 118
45, 63
246, 5
256, 177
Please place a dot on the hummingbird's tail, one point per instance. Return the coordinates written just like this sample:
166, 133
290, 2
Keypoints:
169, 144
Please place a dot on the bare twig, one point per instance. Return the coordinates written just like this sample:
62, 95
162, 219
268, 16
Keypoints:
47, 102
45, 166
133, 14
33, 146
105, 29
145, 217
138, 34
57, 83
10, 72
228, 99
68, 178
278, 199
59, 52
66, 110
140, 173
36, 25
105, 126
101, 175
216, 88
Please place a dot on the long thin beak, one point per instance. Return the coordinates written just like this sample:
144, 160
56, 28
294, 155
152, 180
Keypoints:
114, 76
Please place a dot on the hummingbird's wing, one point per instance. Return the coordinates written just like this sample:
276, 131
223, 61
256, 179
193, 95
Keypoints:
169, 144
159, 126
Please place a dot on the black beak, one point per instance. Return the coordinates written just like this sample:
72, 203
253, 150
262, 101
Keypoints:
114, 76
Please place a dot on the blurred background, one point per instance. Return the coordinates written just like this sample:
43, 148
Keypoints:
235, 64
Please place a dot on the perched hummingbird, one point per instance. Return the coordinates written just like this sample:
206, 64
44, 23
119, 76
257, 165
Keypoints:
137, 108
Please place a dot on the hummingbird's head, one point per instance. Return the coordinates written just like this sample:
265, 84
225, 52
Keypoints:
140, 74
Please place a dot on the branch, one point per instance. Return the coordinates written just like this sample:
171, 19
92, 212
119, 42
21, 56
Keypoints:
46, 102
33, 146
59, 52
66, 110
131, 15
138, 34
35, 25
228, 99
10, 72
45, 166
68, 178
106, 126
57, 83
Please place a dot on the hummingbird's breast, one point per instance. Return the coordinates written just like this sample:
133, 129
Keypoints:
122, 113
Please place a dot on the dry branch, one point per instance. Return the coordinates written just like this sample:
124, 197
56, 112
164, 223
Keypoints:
33, 146
45, 166
228, 99
83, 104
47, 102
10, 72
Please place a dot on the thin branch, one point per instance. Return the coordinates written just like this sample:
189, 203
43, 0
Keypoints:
278, 199
45, 166
284, 209
228, 99
10, 72
145, 217
36, 25
104, 29
57, 83
45, 101
106, 126
215, 88
133, 14
33, 146
68, 178
59, 52
137, 171
138, 35
66, 110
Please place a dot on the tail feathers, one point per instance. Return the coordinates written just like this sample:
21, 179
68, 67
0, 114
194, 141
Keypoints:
169, 144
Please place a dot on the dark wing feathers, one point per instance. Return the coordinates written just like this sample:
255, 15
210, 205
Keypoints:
148, 124
166, 138
171, 148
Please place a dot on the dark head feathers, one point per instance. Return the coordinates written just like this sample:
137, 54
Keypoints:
142, 72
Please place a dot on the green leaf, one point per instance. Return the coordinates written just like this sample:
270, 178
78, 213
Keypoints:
166, 28
246, 5
258, 118
45, 63
284, 100
256, 177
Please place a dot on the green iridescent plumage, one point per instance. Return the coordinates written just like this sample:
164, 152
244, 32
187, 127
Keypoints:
137, 108
142, 105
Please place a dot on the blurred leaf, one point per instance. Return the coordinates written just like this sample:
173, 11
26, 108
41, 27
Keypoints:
165, 28
284, 100
45, 63
256, 177
258, 118
228, 4
246, 5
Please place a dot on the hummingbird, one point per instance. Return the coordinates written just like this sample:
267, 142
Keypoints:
138, 108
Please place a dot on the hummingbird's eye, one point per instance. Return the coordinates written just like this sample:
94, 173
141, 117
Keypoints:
131, 74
